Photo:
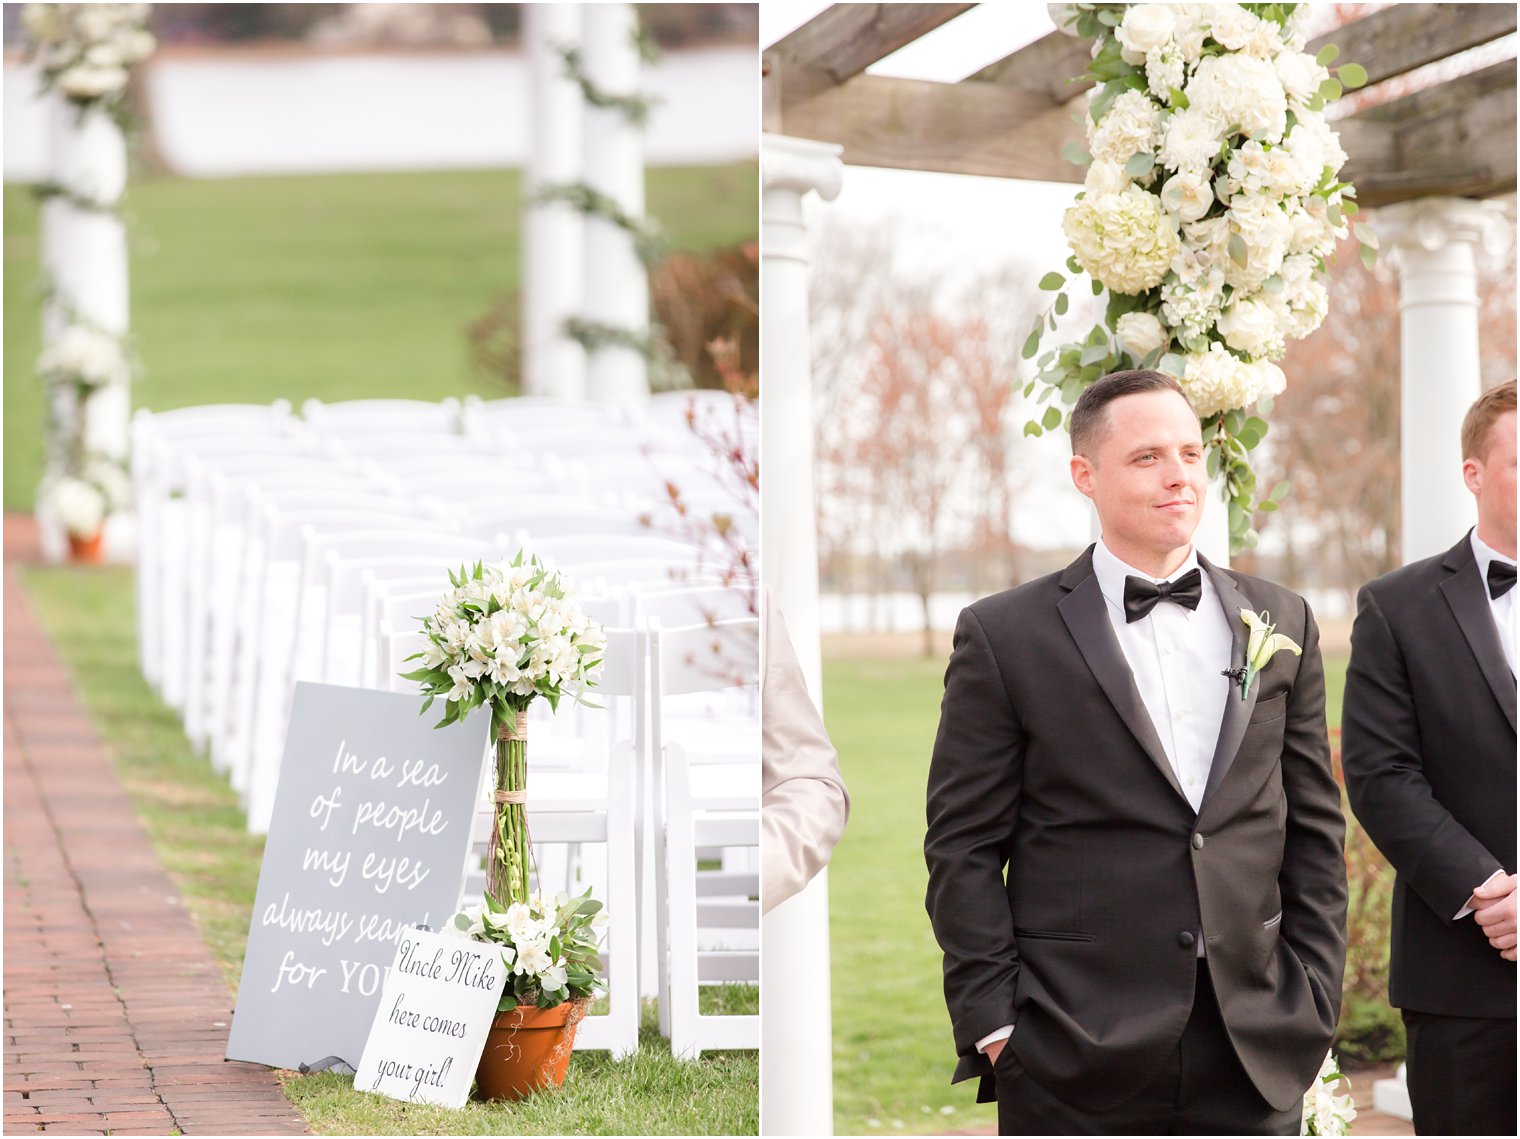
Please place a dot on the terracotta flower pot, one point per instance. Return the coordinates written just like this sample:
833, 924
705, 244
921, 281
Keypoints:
87, 550
528, 1049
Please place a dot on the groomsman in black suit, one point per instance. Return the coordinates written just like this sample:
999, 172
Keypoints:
1165, 954
1429, 754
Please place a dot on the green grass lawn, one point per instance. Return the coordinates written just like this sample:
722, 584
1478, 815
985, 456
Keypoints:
335, 287
893, 1052
197, 827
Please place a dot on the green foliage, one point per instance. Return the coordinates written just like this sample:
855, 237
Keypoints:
1369, 1031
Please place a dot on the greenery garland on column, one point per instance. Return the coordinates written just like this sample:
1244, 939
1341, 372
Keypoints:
648, 238
86, 53
1209, 215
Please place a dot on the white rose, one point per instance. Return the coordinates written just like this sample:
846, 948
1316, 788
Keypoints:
1190, 29
1237, 89
1105, 178
1251, 328
1145, 27
1237, 29
1187, 194
1139, 334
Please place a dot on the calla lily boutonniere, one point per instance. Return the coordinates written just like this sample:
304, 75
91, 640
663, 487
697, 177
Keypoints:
1261, 647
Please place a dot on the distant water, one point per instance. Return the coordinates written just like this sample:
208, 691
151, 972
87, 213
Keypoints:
217, 116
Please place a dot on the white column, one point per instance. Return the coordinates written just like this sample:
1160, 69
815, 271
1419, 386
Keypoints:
553, 232
796, 1052
1435, 239
86, 260
617, 285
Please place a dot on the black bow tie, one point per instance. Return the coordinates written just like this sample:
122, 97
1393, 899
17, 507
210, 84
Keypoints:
1501, 579
1140, 596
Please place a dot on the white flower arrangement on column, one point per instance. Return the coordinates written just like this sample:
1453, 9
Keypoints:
87, 50
1208, 215
86, 53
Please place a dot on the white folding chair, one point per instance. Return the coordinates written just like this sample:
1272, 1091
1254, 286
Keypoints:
381, 416
153, 434
707, 922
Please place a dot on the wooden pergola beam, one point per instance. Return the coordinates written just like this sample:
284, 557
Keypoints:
845, 39
1400, 38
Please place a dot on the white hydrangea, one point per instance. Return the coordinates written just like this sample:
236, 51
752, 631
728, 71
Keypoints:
1217, 380
1259, 168
1314, 146
1190, 27
1240, 90
1126, 240
1128, 127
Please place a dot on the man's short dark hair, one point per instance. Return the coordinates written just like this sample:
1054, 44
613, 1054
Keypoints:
1481, 417
1087, 418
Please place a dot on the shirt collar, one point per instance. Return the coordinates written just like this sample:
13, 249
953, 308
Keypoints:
1111, 572
1484, 553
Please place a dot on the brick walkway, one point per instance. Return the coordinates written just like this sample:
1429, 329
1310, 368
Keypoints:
116, 1017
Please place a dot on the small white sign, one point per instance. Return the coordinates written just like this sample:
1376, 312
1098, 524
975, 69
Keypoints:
436, 1007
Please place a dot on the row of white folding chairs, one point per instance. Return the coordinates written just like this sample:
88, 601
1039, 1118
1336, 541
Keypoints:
669, 799
440, 465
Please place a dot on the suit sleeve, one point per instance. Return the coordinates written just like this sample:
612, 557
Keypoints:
1385, 778
973, 796
805, 803
1313, 876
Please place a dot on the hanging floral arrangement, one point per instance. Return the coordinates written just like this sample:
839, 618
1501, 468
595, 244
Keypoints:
1209, 214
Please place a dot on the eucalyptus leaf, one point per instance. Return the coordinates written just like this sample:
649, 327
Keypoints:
1052, 281
1365, 234
1062, 304
1139, 164
1032, 345
1033, 429
1238, 251
1327, 55
1051, 419
1369, 257
1352, 75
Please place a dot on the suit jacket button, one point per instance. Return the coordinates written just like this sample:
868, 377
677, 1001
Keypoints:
1197, 842
1186, 939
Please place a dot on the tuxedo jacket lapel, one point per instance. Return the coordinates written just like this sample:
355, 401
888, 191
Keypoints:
1237, 712
1468, 597
1083, 610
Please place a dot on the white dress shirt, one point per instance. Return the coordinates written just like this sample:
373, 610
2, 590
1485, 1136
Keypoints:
1177, 657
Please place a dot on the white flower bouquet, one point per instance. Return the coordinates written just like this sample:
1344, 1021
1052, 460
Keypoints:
1326, 1113
549, 945
87, 50
1210, 206
83, 499
86, 358
501, 638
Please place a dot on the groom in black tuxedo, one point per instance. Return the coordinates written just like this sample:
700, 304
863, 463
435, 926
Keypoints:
1429, 754
1165, 955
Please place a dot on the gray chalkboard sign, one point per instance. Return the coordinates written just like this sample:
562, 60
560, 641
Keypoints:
370, 831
